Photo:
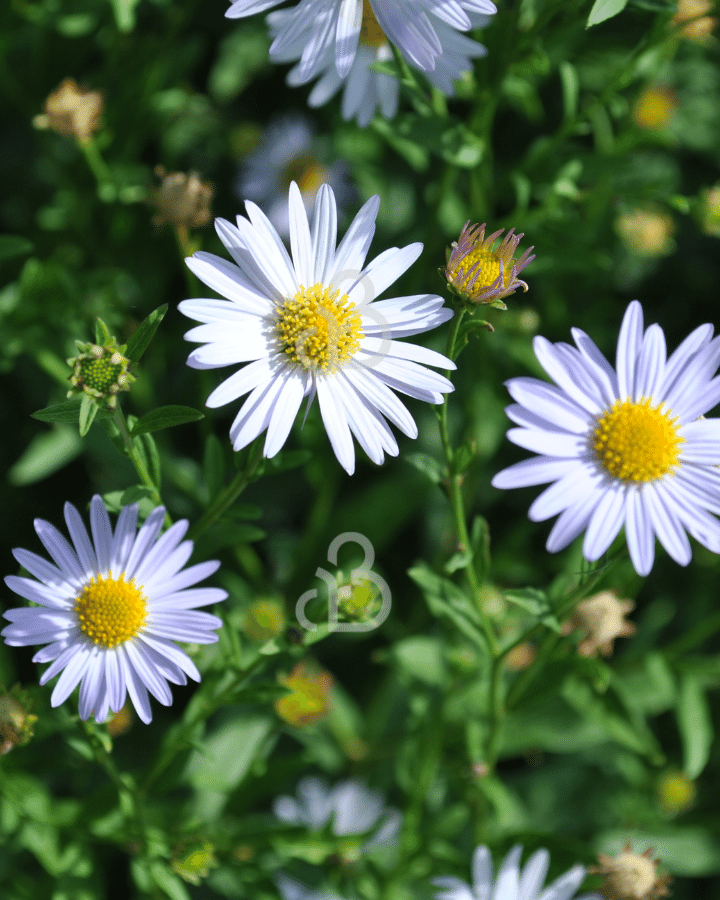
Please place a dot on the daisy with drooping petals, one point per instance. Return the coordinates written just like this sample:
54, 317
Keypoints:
512, 882
624, 446
339, 40
311, 325
111, 608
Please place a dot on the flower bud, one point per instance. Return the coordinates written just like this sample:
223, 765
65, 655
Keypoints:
182, 199
264, 621
72, 111
309, 700
478, 274
630, 876
100, 370
602, 619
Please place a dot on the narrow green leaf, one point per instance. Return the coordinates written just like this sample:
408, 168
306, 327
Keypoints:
570, 88
605, 9
143, 334
69, 411
165, 417
11, 246
428, 465
88, 411
213, 465
149, 451
45, 454
695, 725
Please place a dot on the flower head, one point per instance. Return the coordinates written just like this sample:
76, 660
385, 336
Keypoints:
675, 793
193, 863
624, 446
72, 111
646, 232
110, 609
290, 151
512, 882
100, 371
310, 326
264, 620
631, 876
350, 808
182, 199
655, 107
309, 697
691, 21
338, 40
477, 273
602, 618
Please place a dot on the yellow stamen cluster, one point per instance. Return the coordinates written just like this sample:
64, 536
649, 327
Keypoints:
636, 442
319, 329
371, 34
111, 610
479, 272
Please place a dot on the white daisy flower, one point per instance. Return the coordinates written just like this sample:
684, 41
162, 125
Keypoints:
340, 39
350, 808
512, 882
111, 608
290, 152
623, 446
309, 325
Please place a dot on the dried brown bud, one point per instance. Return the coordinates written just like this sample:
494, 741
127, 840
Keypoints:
182, 199
71, 110
602, 619
631, 876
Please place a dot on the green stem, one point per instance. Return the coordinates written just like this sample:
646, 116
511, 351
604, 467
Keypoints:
99, 168
697, 635
454, 491
125, 783
136, 459
225, 499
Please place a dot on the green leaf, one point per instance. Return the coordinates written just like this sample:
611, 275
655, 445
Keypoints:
168, 881
124, 11
421, 657
67, 412
143, 334
230, 750
695, 724
88, 411
570, 88
138, 493
213, 466
147, 448
288, 459
428, 465
165, 417
12, 246
224, 534
605, 9
446, 600
536, 603
45, 454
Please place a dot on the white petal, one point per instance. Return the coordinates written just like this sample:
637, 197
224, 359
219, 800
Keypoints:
38, 592
142, 664
49, 574
101, 532
556, 368
572, 522
284, 411
507, 882
189, 599
639, 532
230, 281
482, 873
114, 677
628, 349
336, 425
551, 403
564, 887
533, 875
347, 35
352, 250
380, 395
702, 442
81, 541
246, 379
679, 360
165, 545
383, 271
568, 491
135, 687
145, 539
606, 522
60, 550
73, 671
651, 364
398, 350
255, 413
324, 233
123, 537
183, 579
666, 525
530, 472
300, 240
549, 443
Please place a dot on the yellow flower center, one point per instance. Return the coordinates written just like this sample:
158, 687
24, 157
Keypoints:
306, 171
371, 34
637, 443
486, 274
318, 329
111, 610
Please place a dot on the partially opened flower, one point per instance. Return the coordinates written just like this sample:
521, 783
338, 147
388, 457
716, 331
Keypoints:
110, 609
311, 325
339, 40
624, 446
478, 272
512, 882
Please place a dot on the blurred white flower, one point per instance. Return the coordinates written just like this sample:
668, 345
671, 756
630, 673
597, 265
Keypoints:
296, 890
512, 882
350, 808
290, 152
